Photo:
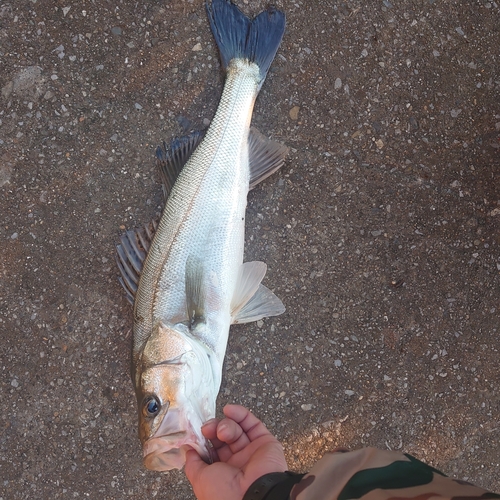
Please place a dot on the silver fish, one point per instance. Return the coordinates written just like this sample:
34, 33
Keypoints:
186, 277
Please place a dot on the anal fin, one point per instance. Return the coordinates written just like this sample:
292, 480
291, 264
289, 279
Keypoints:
265, 156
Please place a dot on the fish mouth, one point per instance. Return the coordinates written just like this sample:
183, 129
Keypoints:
165, 453
177, 433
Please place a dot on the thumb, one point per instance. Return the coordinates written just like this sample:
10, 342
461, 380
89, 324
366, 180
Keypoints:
194, 466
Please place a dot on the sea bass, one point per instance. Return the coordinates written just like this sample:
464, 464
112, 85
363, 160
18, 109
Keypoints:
186, 276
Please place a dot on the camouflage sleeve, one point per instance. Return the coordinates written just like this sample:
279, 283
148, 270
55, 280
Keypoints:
367, 474
371, 474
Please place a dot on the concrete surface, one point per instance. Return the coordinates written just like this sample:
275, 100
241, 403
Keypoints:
381, 232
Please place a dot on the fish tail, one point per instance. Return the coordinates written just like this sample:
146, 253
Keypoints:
239, 37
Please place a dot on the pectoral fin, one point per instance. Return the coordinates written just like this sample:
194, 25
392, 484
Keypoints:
253, 301
195, 295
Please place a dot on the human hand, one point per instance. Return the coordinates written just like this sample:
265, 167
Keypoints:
244, 451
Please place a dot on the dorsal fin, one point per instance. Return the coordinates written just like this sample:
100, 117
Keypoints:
264, 156
134, 244
170, 159
131, 254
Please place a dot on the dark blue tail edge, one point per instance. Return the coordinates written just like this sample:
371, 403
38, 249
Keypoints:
237, 36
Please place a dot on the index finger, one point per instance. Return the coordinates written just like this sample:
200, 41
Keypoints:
209, 430
250, 424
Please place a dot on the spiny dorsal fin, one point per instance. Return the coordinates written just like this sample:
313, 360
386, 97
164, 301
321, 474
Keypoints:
264, 156
251, 300
195, 295
130, 256
170, 159
131, 252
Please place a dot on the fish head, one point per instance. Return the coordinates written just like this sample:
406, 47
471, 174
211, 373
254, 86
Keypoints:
176, 396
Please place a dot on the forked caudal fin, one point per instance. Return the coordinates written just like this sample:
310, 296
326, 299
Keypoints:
239, 37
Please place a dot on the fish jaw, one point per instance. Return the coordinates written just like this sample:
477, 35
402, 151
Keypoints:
183, 377
178, 432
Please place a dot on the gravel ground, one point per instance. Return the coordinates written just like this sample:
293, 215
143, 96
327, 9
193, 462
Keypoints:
381, 232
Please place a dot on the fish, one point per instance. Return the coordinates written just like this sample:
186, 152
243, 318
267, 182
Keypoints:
185, 275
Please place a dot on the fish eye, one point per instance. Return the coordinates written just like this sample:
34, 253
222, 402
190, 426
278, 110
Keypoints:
151, 406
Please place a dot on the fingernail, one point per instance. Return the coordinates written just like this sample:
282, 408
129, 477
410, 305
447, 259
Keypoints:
221, 430
208, 422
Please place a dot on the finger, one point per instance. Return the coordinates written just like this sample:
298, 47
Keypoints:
194, 466
230, 432
214, 454
209, 430
250, 424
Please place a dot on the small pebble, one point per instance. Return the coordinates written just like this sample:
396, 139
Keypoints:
14, 236
14, 383
116, 30
294, 112
307, 407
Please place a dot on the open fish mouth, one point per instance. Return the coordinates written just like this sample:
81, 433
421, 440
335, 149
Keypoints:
169, 452
179, 431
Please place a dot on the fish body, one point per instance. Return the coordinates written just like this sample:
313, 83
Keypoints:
203, 219
193, 283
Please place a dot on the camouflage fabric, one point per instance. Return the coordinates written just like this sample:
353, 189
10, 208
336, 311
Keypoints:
371, 474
